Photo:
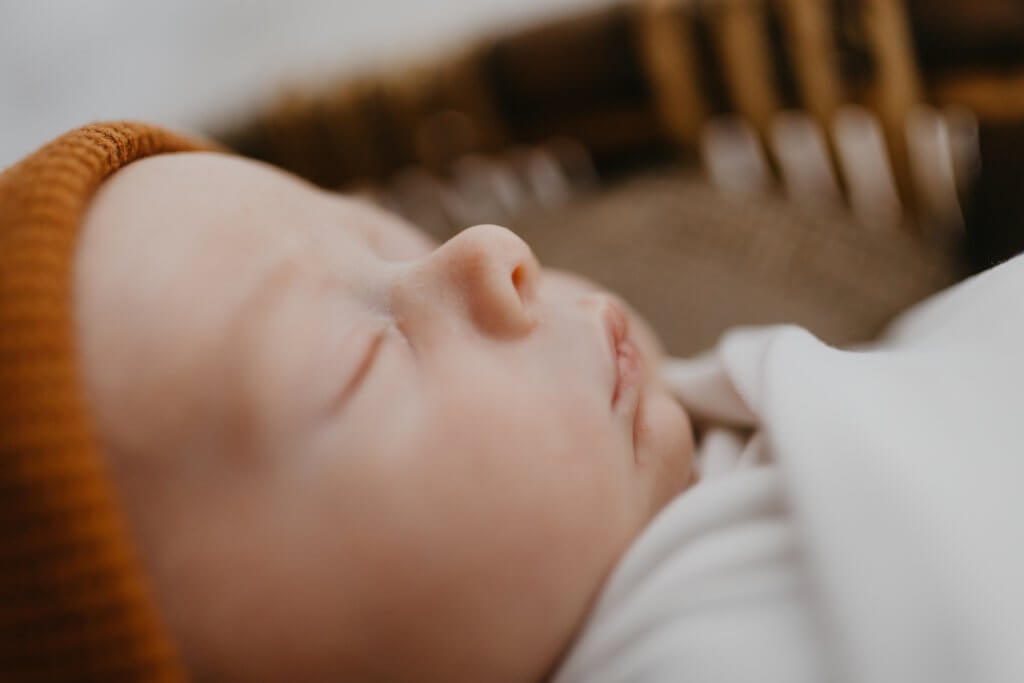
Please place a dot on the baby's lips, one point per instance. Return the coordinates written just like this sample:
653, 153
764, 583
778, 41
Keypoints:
627, 359
630, 368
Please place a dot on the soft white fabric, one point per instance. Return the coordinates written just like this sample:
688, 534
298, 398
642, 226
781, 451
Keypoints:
868, 526
710, 592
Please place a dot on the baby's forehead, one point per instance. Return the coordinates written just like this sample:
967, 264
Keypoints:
174, 248
170, 223
225, 194
166, 221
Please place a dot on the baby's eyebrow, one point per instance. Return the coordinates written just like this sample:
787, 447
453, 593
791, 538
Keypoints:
247, 324
273, 284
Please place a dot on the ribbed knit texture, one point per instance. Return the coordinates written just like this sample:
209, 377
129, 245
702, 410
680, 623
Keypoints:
73, 603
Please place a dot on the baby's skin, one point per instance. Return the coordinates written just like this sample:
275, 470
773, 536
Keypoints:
347, 453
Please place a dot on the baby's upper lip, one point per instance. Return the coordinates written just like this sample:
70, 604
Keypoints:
616, 325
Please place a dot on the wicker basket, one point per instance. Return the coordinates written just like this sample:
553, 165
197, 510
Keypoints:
718, 162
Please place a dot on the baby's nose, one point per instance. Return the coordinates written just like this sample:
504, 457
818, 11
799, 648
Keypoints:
488, 273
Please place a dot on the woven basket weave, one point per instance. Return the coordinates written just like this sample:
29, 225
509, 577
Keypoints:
588, 136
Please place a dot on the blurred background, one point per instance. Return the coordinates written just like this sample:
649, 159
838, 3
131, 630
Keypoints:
716, 162
189, 64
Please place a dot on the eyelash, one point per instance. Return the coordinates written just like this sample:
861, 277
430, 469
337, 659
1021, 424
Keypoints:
367, 361
398, 327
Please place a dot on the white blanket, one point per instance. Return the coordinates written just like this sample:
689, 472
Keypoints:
860, 516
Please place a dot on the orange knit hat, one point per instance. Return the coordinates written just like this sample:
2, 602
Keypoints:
73, 602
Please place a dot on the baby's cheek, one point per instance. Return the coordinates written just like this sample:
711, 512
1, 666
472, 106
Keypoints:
604, 472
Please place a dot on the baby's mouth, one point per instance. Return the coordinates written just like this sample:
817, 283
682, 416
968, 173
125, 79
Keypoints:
628, 361
628, 367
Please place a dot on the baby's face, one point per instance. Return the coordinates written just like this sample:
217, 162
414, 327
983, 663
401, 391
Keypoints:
348, 453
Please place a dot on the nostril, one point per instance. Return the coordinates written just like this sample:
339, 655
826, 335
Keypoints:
518, 277
524, 279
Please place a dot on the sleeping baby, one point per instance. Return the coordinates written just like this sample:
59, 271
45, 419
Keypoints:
343, 452
348, 453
